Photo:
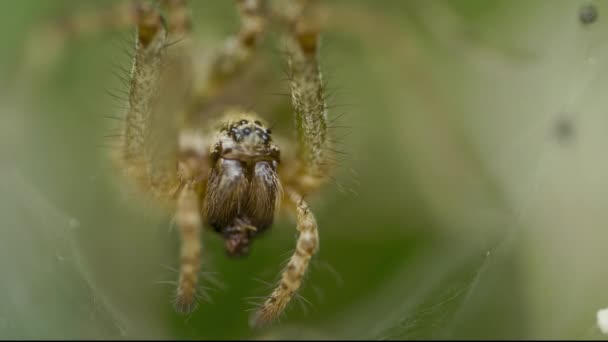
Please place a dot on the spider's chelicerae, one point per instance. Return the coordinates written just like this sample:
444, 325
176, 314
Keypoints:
231, 173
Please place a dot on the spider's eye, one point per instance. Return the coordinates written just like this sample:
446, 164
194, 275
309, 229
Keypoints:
246, 130
258, 123
265, 137
244, 122
235, 134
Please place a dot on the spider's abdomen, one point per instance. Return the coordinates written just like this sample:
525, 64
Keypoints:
243, 189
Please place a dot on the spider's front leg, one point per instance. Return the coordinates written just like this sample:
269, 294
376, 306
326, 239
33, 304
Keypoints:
160, 86
314, 153
161, 155
312, 166
291, 279
138, 153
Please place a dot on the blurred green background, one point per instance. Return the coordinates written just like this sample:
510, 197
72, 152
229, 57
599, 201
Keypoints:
470, 203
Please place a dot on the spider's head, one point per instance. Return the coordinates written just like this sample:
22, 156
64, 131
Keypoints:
243, 190
246, 139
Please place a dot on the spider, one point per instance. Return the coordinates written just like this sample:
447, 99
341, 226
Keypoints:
228, 173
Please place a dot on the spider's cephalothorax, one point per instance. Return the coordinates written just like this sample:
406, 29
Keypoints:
243, 189
228, 178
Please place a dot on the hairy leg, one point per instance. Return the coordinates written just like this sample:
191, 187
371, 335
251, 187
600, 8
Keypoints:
151, 37
170, 104
308, 101
159, 84
143, 151
291, 279
156, 148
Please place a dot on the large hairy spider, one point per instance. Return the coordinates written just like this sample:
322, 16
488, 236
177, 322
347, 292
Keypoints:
229, 173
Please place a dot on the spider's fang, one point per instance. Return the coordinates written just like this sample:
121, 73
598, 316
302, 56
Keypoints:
237, 240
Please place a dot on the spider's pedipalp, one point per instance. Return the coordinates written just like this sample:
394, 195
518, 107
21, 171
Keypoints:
291, 279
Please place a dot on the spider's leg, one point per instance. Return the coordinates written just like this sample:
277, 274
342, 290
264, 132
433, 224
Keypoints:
291, 279
160, 88
170, 102
237, 50
193, 171
308, 101
188, 219
148, 136
177, 74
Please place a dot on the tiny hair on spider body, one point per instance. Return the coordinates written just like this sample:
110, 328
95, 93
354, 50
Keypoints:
222, 169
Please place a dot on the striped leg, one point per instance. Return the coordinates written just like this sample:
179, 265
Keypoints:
291, 279
188, 219
193, 170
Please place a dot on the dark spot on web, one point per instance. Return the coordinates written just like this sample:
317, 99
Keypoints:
564, 129
588, 14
